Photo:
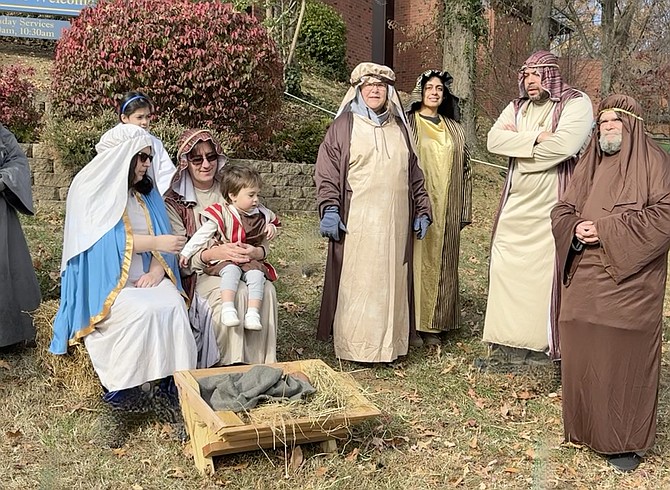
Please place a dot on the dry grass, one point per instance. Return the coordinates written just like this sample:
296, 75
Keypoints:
332, 398
443, 424
74, 372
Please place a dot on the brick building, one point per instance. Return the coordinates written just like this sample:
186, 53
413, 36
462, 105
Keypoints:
383, 31
403, 34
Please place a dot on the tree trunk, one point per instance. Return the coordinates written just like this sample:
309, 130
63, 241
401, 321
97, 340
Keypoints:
296, 34
607, 53
458, 58
541, 24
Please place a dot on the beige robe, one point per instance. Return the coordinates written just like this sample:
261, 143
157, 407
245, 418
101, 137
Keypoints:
522, 257
236, 344
372, 317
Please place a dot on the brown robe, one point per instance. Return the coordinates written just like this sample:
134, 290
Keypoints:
331, 180
610, 320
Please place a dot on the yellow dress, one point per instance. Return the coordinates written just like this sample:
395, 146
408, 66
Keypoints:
436, 158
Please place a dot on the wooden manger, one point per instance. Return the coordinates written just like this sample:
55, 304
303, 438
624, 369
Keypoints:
324, 417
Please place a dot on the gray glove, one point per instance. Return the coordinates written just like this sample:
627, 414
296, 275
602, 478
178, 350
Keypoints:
331, 224
421, 225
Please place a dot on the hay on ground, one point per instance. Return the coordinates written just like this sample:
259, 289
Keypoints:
74, 371
331, 399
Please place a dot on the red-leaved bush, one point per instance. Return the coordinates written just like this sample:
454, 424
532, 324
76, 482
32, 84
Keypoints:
202, 62
17, 101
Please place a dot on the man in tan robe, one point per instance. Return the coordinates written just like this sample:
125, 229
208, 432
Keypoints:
540, 132
371, 197
612, 231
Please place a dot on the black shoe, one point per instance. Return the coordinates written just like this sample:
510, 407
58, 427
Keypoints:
415, 341
431, 338
537, 359
498, 365
624, 462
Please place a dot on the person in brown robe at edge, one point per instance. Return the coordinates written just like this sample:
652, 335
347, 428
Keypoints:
612, 232
371, 197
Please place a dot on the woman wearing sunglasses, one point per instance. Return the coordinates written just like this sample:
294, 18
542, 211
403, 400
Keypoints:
120, 286
195, 187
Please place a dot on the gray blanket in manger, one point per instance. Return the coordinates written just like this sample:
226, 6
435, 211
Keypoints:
243, 391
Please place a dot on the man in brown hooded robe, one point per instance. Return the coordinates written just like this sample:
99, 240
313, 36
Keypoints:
612, 232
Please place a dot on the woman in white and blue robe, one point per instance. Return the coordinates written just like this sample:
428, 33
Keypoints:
120, 286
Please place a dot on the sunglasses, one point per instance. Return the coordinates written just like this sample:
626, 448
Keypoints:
143, 157
199, 159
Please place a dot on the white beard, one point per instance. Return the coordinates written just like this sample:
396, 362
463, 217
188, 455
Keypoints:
610, 146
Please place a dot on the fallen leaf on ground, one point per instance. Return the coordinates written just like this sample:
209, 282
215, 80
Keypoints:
241, 466
321, 471
473, 442
119, 452
421, 445
5, 365
187, 451
352, 455
399, 440
524, 395
530, 453
292, 307
378, 443
137, 487
511, 469
296, 458
176, 473
448, 369
13, 434
166, 429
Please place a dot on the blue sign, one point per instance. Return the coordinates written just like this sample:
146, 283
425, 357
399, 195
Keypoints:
32, 28
53, 7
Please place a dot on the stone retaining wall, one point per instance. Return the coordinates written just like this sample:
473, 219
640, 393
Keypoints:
288, 188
